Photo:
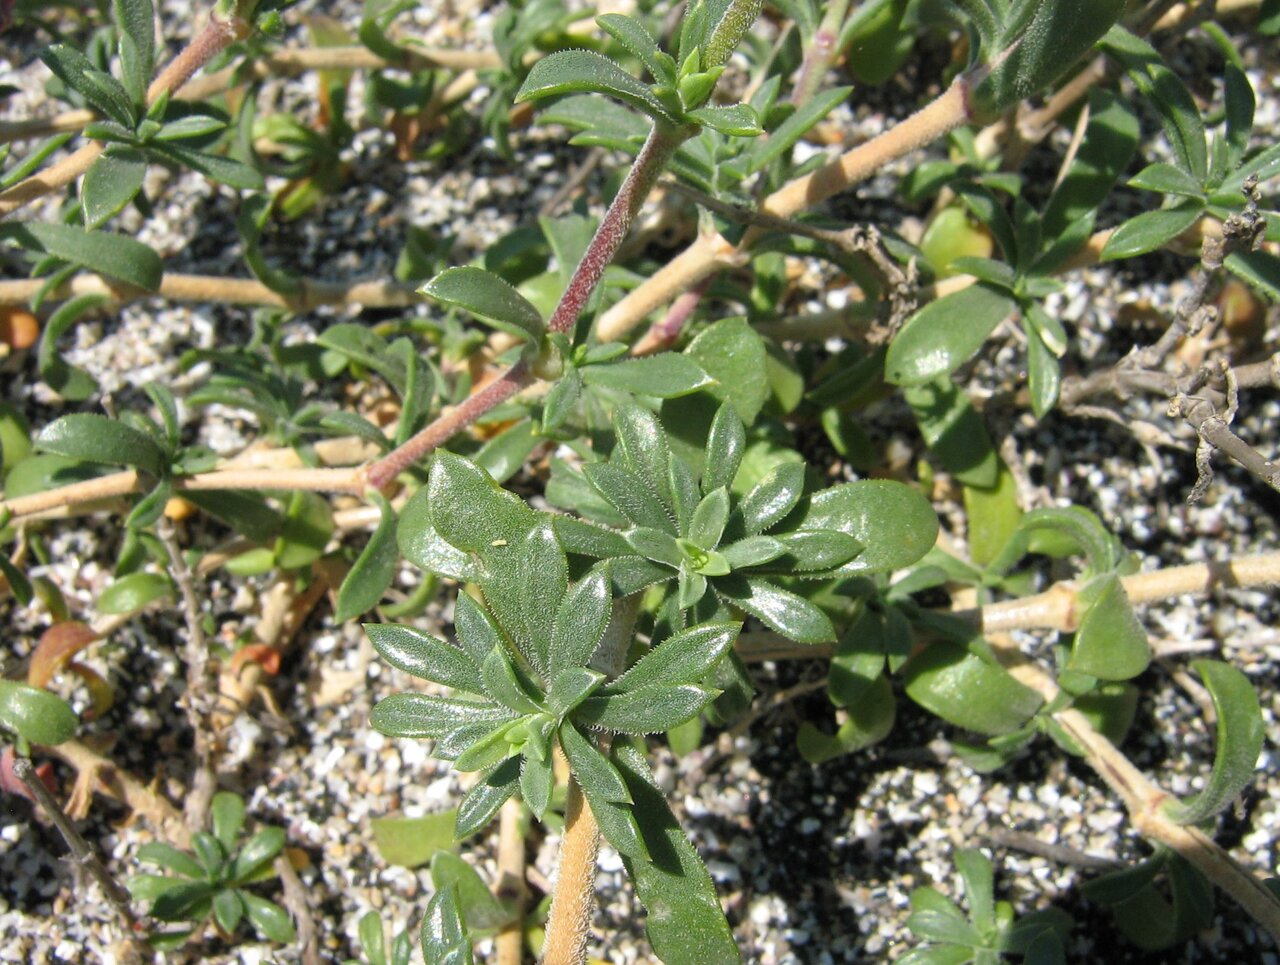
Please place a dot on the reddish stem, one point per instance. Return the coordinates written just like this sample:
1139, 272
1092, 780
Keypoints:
652, 159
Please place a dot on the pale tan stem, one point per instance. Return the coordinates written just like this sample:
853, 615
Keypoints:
574, 899
707, 253
120, 785
214, 37
1056, 608
52, 178
509, 945
1144, 800
226, 291
131, 481
1186, 12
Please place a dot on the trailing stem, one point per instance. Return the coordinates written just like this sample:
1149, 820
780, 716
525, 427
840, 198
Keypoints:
217, 35
709, 252
649, 164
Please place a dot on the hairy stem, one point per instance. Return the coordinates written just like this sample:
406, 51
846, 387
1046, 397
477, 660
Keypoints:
574, 898
311, 294
708, 253
658, 148
1144, 800
216, 36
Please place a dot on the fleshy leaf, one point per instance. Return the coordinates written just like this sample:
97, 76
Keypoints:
583, 71
489, 297
685, 923
425, 657
945, 333
1239, 742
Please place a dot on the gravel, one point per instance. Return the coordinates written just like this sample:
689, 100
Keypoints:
813, 864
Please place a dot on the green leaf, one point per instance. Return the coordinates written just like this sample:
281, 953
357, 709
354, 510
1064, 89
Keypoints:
307, 527
482, 911
502, 684
629, 495
1108, 145
504, 455
36, 715
979, 887
224, 170
781, 610
373, 570
135, 23
771, 499
444, 939
1151, 229
1164, 90
1259, 269
227, 811
69, 381
583, 71
1110, 643
758, 550
422, 655
894, 523
595, 773
933, 926
410, 842
488, 297
527, 579
968, 690
422, 546
684, 658
954, 432
767, 150
685, 923
1044, 374
580, 622
867, 721
95, 438
709, 518
737, 120
488, 794
1239, 739
116, 256
269, 919
656, 546
228, 909
936, 340
426, 715
1057, 35
468, 509
665, 376
644, 710
641, 446
111, 182
257, 853
187, 899
726, 444
537, 781
993, 515
807, 550
131, 593
166, 856
103, 92
1166, 179
631, 33
733, 354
